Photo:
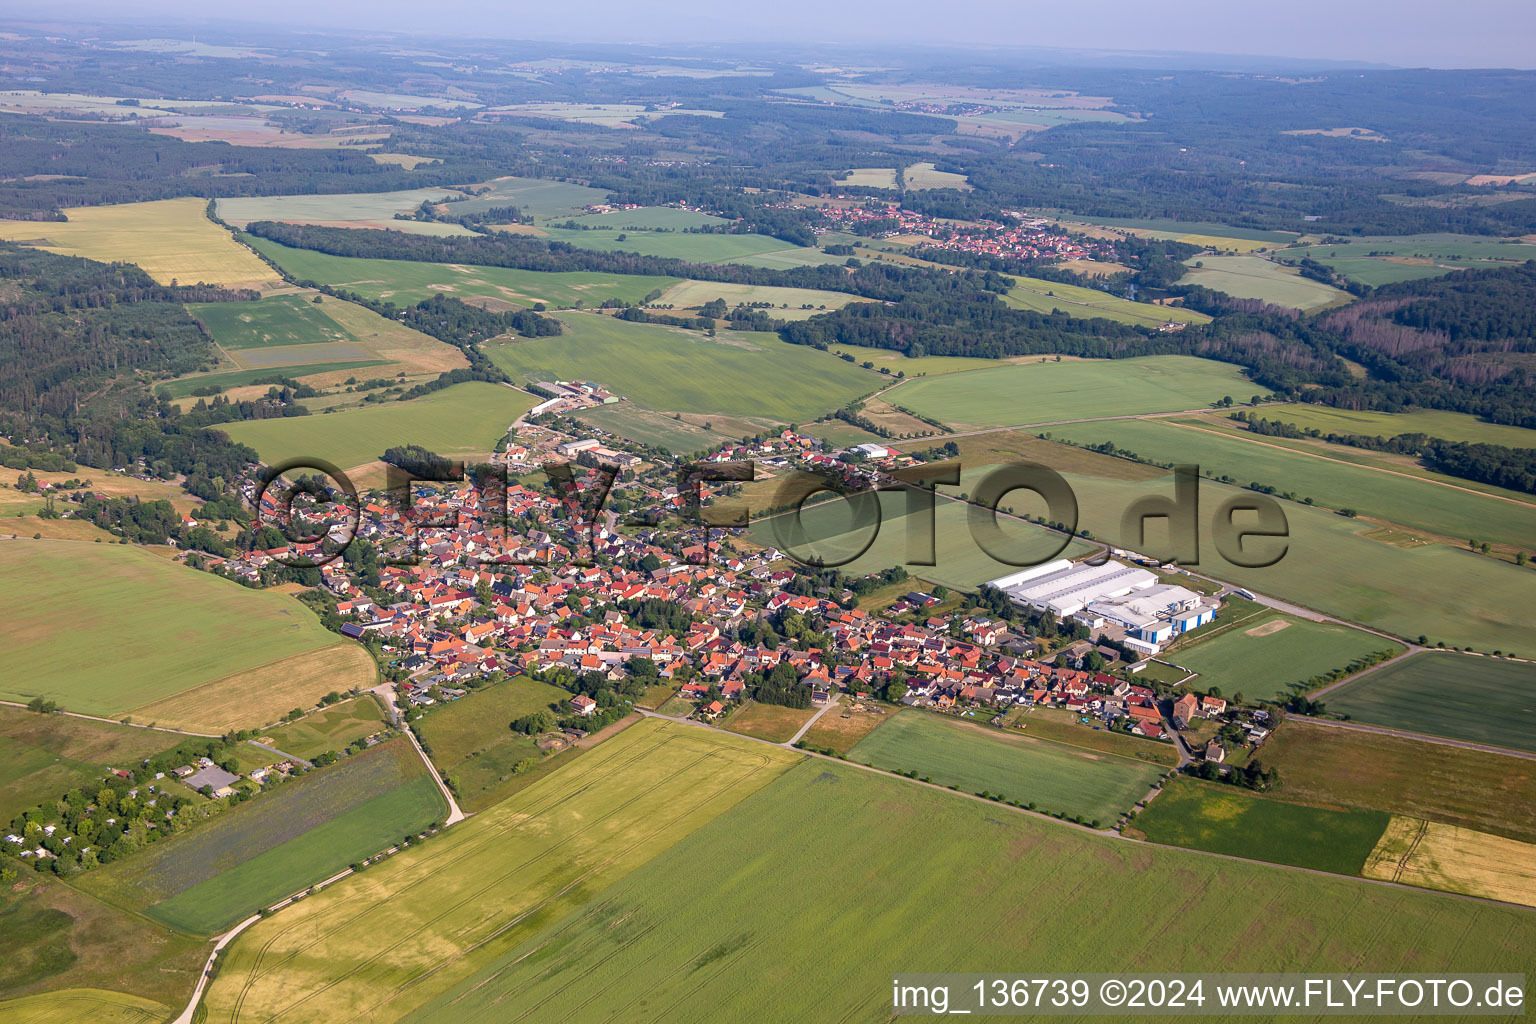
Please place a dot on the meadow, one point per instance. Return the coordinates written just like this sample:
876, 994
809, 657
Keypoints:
770, 721
1254, 277
388, 940
975, 758
1091, 303
823, 946
661, 430
1225, 819
538, 197
1046, 392
788, 303
1483, 700
171, 239
870, 177
1184, 228
224, 380
354, 210
277, 320
649, 218
43, 756
405, 282
758, 250
923, 176
104, 628
1263, 657
471, 742
1452, 426
1063, 727
1378, 261
330, 728
306, 829
1332, 767
463, 419
841, 730
261, 695
735, 373
1440, 856
1415, 502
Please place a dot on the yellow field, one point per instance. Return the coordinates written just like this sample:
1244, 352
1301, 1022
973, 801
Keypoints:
925, 176
691, 294
380, 944
404, 346
405, 160
1440, 856
1242, 245
171, 239
83, 1006
262, 695
871, 177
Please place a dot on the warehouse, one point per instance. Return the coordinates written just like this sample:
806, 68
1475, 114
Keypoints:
1065, 588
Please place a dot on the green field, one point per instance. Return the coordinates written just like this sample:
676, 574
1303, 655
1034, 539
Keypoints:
654, 428
104, 628
1089, 303
356, 209
1263, 665
305, 830
278, 320
463, 419
1225, 819
330, 728
736, 373
472, 745
1047, 392
385, 942
404, 282
946, 883
45, 756
1378, 261
238, 378
83, 1006
538, 197
1483, 700
788, 303
1416, 503
1191, 227
1452, 426
757, 250
1254, 277
975, 758
649, 218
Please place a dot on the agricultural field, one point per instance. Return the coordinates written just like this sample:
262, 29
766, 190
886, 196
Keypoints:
330, 728
1438, 856
1046, 392
1378, 261
538, 197
462, 419
1063, 727
472, 745
757, 250
625, 116
1451, 426
1254, 277
402, 101
770, 721
1087, 904
735, 373
975, 758
1226, 819
1191, 231
226, 380
405, 931
788, 303
920, 177
649, 218
43, 756
261, 695
672, 431
221, 870
171, 239
870, 177
54, 938
1414, 502
344, 210
1263, 657
1332, 767
162, 628
276, 321
1091, 303
404, 282
79, 1006
1482, 700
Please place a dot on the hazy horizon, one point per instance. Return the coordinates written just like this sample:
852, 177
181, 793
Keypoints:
1416, 34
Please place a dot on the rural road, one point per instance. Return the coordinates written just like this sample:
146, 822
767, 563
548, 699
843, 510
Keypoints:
1404, 734
836, 700
386, 693
186, 1016
114, 721
281, 753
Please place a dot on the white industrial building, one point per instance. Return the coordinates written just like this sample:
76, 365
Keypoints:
1114, 593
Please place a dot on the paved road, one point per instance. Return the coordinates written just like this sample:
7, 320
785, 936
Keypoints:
1404, 734
834, 702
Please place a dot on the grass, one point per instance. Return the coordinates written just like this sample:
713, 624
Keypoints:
1064, 727
1225, 819
538, 197
1482, 700
945, 883
1254, 277
650, 218
787, 302
1091, 303
219, 871
923, 176
344, 209
1440, 856
974, 758
171, 239
770, 721
841, 730
473, 746
1263, 656
1046, 392
278, 320
184, 386
659, 429
736, 373
391, 939
161, 627
261, 695
1452, 426
460, 420
76, 1006
1337, 767
43, 756
330, 728
759, 250
1414, 502
404, 282
55, 938
870, 177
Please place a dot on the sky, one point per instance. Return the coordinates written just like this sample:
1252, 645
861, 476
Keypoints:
1411, 33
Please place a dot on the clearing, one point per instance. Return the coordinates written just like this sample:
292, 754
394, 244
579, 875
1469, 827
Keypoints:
1254, 277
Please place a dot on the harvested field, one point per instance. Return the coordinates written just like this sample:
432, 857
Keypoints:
1440, 856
